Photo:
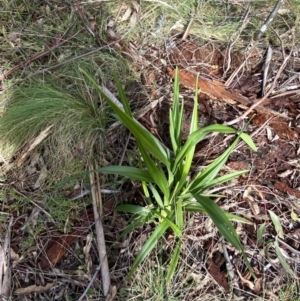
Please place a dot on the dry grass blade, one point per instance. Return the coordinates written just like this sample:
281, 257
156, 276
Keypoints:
32, 145
97, 208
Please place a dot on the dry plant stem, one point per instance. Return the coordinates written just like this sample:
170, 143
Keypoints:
237, 35
270, 18
31, 146
188, 29
123, 153
5, 272
234, 74
82, 297
259, 102
286, 93
97, 206
266, 68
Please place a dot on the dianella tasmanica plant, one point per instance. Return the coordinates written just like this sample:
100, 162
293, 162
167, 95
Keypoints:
165, 176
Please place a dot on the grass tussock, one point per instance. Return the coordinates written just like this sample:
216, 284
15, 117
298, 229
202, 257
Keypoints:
69, 103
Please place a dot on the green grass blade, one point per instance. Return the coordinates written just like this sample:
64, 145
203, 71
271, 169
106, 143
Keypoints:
248, 140
167, 217
149, 245
132, 173
196, 207
237, 218
176, 115
174, 262
198, 135
220, 220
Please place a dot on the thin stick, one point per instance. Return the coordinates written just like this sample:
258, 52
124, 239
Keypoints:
97, 205
268, 21
265, 97
237, 35
286, 93
188, 29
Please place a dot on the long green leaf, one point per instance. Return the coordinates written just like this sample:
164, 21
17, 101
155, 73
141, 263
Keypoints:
220, 220
210, 172
199, 188
156, 174
196, 207
260, 234
198, 135
149, 245
248, 140
174, 261
190, 154
122, 96
167, 217
141, 134
276, 223
134, 209
224, 225
179, 214
176, 116
282, 260
156, 196
179, 109
132, 173
138, 221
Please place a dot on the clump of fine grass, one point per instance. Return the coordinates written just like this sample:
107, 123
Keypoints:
64, 100
33, 108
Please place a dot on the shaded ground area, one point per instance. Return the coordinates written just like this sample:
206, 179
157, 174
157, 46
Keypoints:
57, 261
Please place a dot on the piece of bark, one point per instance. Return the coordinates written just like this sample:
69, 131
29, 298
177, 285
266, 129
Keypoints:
286, 189
216, 90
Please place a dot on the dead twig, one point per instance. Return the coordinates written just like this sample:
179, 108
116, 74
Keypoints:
266, 69
237, 35
270, 18
26, 152
260, 101
97, 208
5, 271
188, 29
286, 93
234, 74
